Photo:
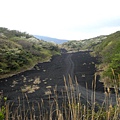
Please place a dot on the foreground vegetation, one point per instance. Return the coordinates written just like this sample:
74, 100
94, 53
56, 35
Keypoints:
20, 51
69, 106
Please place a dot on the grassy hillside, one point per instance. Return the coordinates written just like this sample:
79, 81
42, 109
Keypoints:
107, 48
20, 51
109, 51
88, 44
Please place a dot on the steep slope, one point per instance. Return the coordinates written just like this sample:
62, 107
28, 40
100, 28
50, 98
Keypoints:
20, 51
109, 50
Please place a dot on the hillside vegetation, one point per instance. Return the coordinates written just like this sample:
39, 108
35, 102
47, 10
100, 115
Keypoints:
107, 48
86, 44
109, 51
20, 51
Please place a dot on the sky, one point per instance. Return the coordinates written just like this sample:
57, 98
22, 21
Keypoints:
63, 19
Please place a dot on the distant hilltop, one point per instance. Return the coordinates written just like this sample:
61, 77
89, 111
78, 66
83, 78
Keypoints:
49, 39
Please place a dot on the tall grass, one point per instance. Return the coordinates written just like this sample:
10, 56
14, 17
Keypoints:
66, 104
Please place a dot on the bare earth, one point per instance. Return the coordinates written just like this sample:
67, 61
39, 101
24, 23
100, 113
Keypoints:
40, 81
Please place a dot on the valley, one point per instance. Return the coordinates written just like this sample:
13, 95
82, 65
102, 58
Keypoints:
40, 81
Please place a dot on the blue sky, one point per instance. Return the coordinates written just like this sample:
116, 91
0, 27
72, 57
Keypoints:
64, 19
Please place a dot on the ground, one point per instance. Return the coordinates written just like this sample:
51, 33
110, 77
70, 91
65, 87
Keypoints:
40, 81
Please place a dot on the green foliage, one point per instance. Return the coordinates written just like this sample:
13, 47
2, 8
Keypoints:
115, 65
88, 44
109, 50
2, 114
2, 107
20, 50
13, 33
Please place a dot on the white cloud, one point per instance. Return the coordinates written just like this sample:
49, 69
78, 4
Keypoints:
69, 19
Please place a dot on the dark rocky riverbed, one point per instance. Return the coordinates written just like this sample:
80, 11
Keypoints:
39, 81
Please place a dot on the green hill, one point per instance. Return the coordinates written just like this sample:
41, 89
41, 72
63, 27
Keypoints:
109, 51
107, 48
20, 51
88, 44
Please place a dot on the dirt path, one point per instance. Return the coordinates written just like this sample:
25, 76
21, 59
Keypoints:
69, 66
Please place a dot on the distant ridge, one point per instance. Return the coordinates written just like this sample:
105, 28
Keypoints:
49, 39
